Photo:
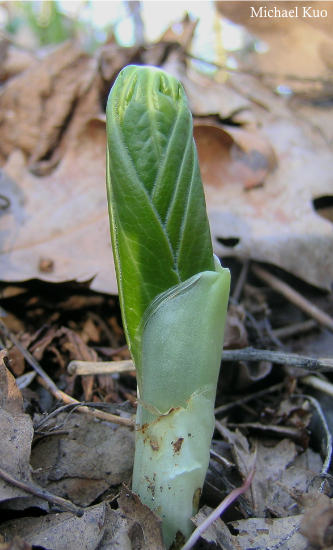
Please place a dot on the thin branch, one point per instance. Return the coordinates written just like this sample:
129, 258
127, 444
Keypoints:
294, 297
220, 459
261, 393
318, 384
87, 368
295, 328
42, 493
48, 382
219, 510
280, 358
108, 417
260, 74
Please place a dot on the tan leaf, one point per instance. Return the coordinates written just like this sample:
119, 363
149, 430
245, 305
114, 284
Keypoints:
296, 41
133, 508
62, 217
36, 104
60, 531
232, 154
16, 432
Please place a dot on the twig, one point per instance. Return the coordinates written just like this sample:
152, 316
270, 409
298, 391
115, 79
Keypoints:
224, 408
280, 358
329, 439
318, 384
48, 382
42, 493
220, 459
86, 368
241, 280
108, 417
219, 510
260, 74
246, 354
294, 297
295, 328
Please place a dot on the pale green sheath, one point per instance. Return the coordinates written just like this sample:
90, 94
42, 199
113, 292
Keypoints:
173, 293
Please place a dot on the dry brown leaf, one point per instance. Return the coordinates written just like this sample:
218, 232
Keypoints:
16, 432
14, 61
16, 544
62, 217
60, 531
235, 334
317, 521
297, 45
269, 533
35, 106
254, 533
86, 461
277, 223
234, 155
205, 96
151, 525
56, 228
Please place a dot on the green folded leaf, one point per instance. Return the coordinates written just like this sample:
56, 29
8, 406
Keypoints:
159, 225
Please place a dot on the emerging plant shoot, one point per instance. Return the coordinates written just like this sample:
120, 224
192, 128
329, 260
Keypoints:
173, 292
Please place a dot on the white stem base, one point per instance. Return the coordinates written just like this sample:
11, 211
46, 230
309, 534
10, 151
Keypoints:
171, 461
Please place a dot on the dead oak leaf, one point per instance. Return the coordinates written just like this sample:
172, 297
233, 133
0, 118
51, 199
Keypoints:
60, 531
295, 43
16, 433
317, 521
62, 217
36, 104
150, 524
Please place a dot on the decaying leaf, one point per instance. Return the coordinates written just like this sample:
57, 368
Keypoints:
226, 154
254, 533
317, 521
15, 544
269, 533
294, 44
16, 432
60, 531
86, 461
262, 173
62, 217
277, 222
35, 105
151, 525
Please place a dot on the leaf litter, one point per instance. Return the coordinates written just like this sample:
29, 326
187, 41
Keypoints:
252, 144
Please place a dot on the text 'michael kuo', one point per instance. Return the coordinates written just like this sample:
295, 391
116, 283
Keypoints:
297, 11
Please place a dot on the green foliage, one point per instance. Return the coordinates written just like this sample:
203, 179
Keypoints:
159, 224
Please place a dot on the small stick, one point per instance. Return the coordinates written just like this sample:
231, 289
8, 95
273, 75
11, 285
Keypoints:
68, 400
318, 384
295, 328
242, 400
294, 297
86, 368
42, 493
219, 510
49, 384
280, 358
260, 74
220, 459
241, 280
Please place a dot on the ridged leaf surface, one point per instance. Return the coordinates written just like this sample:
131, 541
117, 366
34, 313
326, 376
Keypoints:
159, 225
